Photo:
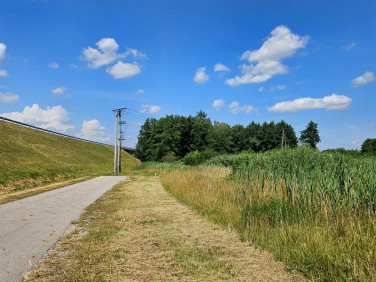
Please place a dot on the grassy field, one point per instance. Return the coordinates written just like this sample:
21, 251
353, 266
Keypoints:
314, 212
30, 158
138, 232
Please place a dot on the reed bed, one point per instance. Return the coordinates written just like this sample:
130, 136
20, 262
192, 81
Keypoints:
313, 211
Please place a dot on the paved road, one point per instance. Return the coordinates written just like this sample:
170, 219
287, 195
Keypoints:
31, 226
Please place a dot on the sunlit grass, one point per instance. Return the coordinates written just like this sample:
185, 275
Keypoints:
323, 225
31, 158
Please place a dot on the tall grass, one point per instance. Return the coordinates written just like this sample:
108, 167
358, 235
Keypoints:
314, 211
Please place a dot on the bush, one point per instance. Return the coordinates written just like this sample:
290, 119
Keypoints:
369, 146
196, 157
222, 160
169, 158
342, 151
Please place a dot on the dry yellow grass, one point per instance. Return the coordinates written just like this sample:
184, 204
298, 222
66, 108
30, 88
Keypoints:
138, 232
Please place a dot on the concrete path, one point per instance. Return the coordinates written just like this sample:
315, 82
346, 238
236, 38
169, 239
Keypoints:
31, 226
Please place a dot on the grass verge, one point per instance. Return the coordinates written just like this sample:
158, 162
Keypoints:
138, 232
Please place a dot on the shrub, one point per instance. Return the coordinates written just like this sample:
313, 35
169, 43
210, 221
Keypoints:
196, 157
169, 158
369, 146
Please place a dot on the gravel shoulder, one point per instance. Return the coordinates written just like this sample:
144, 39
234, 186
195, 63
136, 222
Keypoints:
138, 232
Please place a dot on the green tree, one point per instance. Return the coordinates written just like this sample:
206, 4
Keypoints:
220, 137
200, 131
310, 135
369, 146
288, 133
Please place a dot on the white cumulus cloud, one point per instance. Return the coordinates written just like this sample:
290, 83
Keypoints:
220, 67
93, 130
3, 47
235, 108
268, 59
150, 109
201, 76
106, 53
55, 117
123, 70
8, 98
365, 78
53, 65
332, 102
61, 91
3, 73
218, 104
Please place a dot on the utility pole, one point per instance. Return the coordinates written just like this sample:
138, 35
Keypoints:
283, 143
119, 137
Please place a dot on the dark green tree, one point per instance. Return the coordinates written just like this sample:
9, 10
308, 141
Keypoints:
220, 137
310, 135
369, 146
286, 131
239, 138
200, 131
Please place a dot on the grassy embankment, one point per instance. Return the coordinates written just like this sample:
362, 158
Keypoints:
313, 211
30, 158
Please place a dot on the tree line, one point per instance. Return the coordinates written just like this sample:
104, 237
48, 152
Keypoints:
176, 136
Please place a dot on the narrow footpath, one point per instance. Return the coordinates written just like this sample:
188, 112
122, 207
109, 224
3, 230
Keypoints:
138, 232
31, 226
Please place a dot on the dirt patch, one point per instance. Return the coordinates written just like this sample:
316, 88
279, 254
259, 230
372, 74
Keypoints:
138, 232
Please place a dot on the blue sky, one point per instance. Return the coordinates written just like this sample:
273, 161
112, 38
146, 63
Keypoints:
65, 65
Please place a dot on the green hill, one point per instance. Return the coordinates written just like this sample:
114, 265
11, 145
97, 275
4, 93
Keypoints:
30, 158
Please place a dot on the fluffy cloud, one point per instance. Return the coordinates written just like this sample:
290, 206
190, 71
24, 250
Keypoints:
92, 130
281, 87
201, 76
3, 73
61, 91
106, 53
53, 65
52, 117
3, 47
236, 108
150, 109
281, 44
140, 91
123, 70
8, 98
332, 102
220, 67
218, 104
365, 78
